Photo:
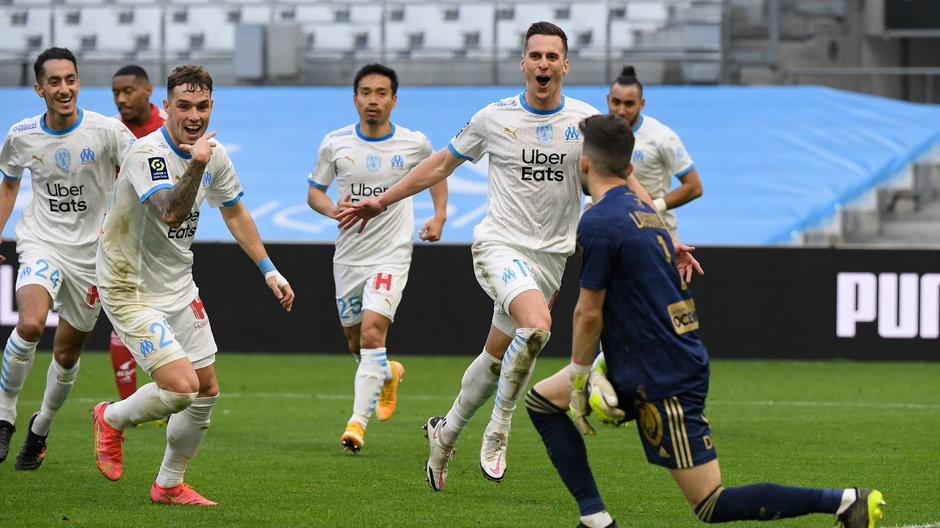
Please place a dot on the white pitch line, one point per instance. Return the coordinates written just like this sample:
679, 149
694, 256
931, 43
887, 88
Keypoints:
931, 525
428, 397
276, 395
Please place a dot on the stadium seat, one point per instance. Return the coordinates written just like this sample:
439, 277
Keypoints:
25, 30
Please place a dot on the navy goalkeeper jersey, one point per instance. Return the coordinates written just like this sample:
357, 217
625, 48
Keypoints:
649, 337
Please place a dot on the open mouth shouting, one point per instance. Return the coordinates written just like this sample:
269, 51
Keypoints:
192, 132
542, 80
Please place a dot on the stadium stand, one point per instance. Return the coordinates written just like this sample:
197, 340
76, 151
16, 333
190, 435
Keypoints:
414, 30
24, 31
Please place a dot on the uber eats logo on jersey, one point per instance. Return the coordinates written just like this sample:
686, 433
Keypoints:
66, 198
186, 229
360, 191
544, 171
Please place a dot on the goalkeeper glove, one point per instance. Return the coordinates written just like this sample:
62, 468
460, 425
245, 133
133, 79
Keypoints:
579, 396
603, 400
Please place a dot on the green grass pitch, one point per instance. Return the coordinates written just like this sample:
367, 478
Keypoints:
273, 457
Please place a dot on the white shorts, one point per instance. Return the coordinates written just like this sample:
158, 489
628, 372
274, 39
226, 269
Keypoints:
156, 338
377, 288
505, 271
72, 289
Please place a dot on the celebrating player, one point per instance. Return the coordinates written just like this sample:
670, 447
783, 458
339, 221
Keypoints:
634, 300
370, 268
145, 280
659, 153
132, 90
520, 247
71, 155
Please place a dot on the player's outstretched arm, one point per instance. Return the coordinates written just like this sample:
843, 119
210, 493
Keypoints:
8, 191
242, 226
435, 226
429, 172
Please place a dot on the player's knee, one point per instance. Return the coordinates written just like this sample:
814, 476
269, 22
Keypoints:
371, 337
539, 321
67, 356
176, 401
209, 390
30, 329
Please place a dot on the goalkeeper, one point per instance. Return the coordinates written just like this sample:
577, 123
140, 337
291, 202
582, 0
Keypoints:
634, 301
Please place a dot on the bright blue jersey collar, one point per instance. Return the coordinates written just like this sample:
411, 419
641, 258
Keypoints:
639, 123
172, 144
42, 123
383, 138
555, 110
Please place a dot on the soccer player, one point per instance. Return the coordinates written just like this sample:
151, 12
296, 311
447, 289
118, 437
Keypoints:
71, 155
659, 153
144, 272
370, 268
132, 90
634, 300
520, 247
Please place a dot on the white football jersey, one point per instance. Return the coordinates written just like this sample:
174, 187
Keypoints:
72, 173
365, 168
658, 155
141, 259
533, 198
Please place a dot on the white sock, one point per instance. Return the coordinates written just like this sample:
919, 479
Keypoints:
518, 364
478, 384
849, 496
601, 519
147, 404
17, 360
184, 434
59, 382
370, 376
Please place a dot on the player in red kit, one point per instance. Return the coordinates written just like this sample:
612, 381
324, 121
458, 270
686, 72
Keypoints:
132, 89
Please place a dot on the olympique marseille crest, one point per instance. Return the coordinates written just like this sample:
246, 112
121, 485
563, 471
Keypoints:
373, 162
543, 134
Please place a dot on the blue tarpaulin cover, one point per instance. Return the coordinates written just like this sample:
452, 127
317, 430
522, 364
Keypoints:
773, 160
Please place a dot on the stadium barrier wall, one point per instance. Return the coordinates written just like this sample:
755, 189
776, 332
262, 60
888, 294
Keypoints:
753, 302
